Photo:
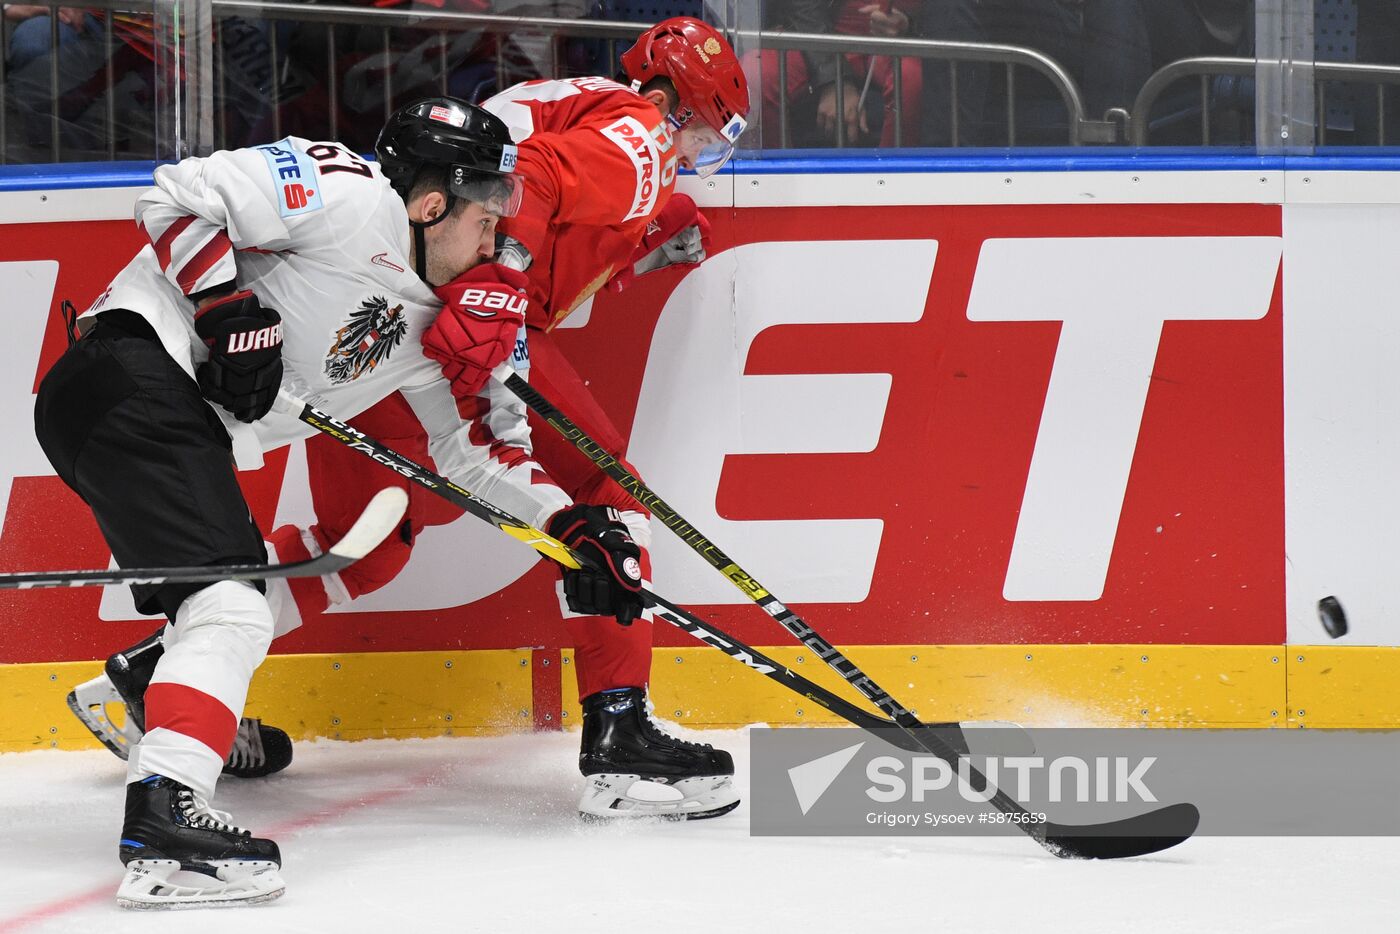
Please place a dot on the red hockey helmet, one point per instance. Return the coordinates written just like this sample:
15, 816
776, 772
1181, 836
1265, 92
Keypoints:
709, 82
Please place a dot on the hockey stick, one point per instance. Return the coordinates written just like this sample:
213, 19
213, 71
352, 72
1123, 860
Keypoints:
560, 553
750, 587
1134, 836
379, 518
697, 542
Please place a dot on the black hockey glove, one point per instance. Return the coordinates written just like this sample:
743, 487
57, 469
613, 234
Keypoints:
244, 370
598, 534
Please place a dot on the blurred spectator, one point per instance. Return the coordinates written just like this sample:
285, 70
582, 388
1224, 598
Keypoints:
81, 92
257, 87
1178, 29
377, 68
32, 36
811, 76
591, 56
1103, 44
1361, 31
958, 21
889, 18
1181, 29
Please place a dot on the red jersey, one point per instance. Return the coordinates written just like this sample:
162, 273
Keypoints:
598, 165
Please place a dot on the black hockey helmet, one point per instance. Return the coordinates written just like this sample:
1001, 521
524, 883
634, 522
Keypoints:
471, 145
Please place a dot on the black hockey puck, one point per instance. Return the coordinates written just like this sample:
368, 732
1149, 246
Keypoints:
1334, 618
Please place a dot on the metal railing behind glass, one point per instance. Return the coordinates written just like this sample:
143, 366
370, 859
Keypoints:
1080, 128
1379, 75
552, 31
203, 50
53, 95
443, 23
1206, 67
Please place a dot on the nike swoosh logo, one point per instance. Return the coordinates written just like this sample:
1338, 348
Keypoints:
379, 259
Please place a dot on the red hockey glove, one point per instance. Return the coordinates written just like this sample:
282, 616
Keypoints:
678, 236
483, 311
244, 370
598, 533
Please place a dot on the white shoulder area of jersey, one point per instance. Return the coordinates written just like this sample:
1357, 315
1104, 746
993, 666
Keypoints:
512, 105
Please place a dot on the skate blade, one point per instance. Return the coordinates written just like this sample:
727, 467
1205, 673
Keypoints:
631, 797
89, 702
151, 884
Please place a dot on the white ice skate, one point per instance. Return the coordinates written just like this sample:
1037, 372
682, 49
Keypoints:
165, 884
258, 749
613, 796
104, 712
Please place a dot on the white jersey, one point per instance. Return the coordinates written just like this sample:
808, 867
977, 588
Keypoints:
318, 234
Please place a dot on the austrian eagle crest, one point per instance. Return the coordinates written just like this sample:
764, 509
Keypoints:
366, 340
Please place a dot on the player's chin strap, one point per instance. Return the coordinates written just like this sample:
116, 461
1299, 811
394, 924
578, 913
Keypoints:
420, 245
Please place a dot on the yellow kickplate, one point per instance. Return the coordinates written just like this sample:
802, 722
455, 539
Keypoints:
1344, 686
33, 712
1044, 685
403, 694
394, 694
344, 696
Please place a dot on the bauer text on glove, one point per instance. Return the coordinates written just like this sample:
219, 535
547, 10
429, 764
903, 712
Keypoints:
482, 314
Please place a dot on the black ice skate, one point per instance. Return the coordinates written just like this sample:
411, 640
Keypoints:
168, 830
258, 749
636, 770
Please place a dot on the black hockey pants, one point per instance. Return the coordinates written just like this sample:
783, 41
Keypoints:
128, 430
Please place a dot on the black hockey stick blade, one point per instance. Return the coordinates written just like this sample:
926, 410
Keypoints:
1132, 836
379, 518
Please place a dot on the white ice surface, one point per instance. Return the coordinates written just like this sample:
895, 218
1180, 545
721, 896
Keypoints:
468, 835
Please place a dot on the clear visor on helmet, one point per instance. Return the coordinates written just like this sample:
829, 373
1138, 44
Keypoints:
498, 194
707, 149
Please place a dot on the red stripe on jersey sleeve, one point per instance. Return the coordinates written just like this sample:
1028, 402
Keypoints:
192, 713
165, 241
507, 454
473, 408
216, 249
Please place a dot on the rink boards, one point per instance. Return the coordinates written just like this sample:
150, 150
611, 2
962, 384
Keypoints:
1051, 446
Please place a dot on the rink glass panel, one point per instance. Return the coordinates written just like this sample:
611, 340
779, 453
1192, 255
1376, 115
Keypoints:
170, 79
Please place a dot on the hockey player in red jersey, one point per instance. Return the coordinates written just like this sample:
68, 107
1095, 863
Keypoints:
599, 162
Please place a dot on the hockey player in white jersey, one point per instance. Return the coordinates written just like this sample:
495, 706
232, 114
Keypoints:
296, 261
593, 213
